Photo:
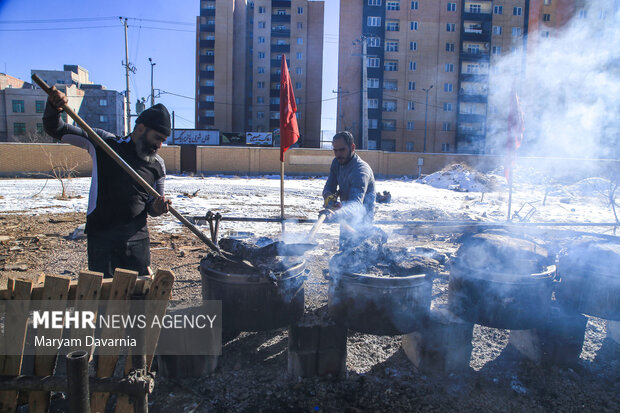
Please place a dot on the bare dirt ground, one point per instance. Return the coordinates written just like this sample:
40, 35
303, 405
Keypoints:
252, 371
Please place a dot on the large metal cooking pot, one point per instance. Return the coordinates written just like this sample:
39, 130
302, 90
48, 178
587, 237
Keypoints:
590, 279
252, 302
379, 305
508, 300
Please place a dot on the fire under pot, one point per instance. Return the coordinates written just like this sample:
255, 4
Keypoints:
501, 281
254, 301
590, 279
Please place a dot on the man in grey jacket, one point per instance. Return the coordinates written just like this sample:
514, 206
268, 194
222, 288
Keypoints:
354, 180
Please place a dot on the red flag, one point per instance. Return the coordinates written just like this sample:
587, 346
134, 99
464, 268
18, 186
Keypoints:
515, 132
289, 131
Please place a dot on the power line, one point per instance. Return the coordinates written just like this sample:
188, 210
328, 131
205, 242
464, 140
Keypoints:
56, 28
80, 19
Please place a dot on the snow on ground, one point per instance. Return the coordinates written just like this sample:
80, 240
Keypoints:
456, 193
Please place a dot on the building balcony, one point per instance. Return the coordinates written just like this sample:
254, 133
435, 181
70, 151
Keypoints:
484, 17
475, 35
209, 28
281, 3
274, 77
278, 62
207, 59
471, 118
274, 93
206, 74
209, 90
274, 108
281, 18
274, 123
475, 57
471, 97
207, 43
280, 33
280, 48
471, 77
206, 105
207, 12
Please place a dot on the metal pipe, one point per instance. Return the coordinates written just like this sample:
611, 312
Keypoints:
77, 382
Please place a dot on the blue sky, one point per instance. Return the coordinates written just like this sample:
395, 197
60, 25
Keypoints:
43, 34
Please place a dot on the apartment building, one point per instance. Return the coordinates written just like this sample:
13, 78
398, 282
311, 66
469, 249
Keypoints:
239, 48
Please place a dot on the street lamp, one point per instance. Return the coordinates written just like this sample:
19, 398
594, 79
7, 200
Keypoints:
426, 115
152, 90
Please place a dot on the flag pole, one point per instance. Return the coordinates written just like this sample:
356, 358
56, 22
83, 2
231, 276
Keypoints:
282, 193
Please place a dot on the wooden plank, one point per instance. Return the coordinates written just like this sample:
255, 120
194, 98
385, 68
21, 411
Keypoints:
158, 296
87, 297
16, 322
121, 288
55, 291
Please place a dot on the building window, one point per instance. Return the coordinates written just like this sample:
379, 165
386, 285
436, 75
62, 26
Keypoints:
446, 126
297, 85
209, 113
40, 128
414, 5
374, 2
299, 71
391, 46
517, 11
300, 25
473, 68
372, 123
414, 25
546, 17
413, 46
516, 31
260, 69
18, 106
413, 66
475, 8
447, 107
103, 118
209, 98
392, 26
300, 10
373, 83
388, 124
260, 84
448, 87
473, 48
261, 25
373, 103
261, 10
373, 62
389, 106
40, 106
449, 47
260, 115
547, 2
451, 27
497, 30
392, 5
410, 105
390, 84
300, 40
583, 14
373, 21
373, 42
261, 55
496, 49
299, 55
411, 86
261, 39
210, 68
260, 99
449, 67
410, 125
19, 128
545, 33
498, 9
102, 102
409, 147
445, 147
451, 6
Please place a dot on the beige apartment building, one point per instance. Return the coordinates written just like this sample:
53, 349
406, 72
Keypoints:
428, 65
239, 47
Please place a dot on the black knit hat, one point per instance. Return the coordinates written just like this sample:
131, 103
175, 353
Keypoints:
156, 117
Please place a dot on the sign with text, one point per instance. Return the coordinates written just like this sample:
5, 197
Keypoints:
195, 137
259, 138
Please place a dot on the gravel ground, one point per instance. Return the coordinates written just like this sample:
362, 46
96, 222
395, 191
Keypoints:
252, 371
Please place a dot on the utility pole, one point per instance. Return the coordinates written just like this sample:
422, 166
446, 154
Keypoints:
363, 40
152, 90
426, 115
341, 117
128, 68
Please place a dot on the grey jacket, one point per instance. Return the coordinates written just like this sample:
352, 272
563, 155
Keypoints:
357, 189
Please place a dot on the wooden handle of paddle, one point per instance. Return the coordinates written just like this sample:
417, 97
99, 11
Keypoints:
316, 226
126, 167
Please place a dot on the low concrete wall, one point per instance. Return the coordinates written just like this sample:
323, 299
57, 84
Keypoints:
31, 159
22, 159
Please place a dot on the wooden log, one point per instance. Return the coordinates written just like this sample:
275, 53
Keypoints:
125, 385
122, 286
15, 325
55, 292
86, 298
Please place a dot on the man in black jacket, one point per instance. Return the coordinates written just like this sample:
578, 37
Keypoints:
116, 223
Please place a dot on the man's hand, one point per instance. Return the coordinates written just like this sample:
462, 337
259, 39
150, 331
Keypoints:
160, 206
57, 99
329, 215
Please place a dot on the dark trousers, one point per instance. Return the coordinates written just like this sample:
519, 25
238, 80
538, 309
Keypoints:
106, 253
